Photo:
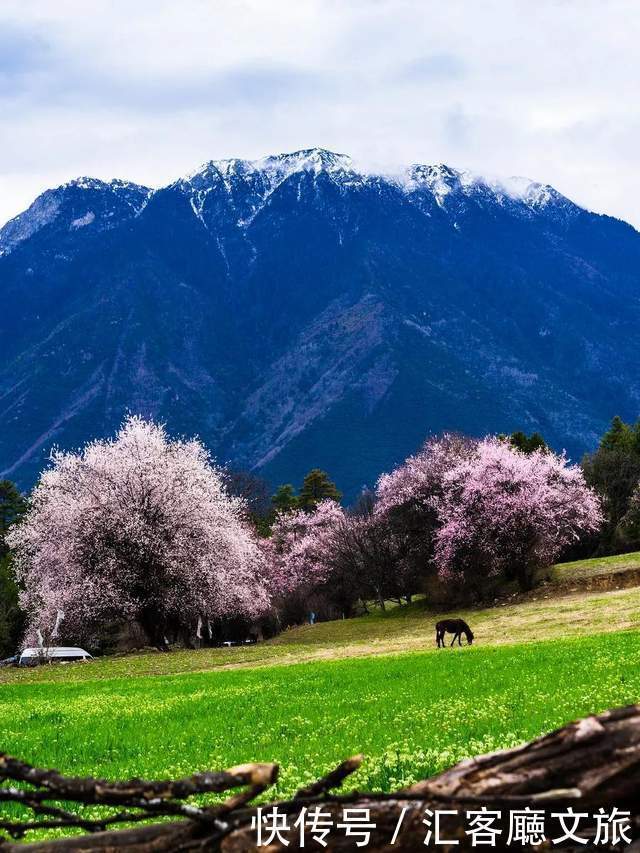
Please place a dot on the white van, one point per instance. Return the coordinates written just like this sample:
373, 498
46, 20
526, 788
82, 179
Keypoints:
59, 654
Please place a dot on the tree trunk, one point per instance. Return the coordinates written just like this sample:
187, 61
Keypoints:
154, 628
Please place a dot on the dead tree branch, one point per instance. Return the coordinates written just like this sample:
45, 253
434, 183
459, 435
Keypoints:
588, 765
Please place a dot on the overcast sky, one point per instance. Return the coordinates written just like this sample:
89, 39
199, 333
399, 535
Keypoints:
149, 89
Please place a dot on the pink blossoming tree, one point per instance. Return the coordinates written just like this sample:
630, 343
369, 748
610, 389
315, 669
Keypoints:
502, 511
301, 547
408, 502
417, 482
329, 560
138, 528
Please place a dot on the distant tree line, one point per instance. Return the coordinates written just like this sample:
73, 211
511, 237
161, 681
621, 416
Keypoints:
457, 520
147, 530
613, 470
263, 508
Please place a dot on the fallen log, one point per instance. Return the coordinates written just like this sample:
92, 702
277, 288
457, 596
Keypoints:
591, 767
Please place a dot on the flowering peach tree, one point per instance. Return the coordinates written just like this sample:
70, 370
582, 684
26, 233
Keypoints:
335, 557
301, 547
502, 511
471, 510
408, 502
137, 528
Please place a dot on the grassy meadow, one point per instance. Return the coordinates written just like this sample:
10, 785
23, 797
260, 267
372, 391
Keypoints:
412, 714
552, 611
317, 694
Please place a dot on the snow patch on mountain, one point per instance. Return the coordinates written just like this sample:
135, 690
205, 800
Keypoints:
82, 221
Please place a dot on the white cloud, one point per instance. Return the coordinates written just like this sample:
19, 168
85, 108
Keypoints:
150, 89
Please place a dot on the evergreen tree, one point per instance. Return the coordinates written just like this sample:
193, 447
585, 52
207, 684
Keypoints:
627, 533
614, 472
285, 499
12, 619
622, 436
12, 506
317, 487
527, 443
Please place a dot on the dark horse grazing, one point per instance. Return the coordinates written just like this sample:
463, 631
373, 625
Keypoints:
455, 627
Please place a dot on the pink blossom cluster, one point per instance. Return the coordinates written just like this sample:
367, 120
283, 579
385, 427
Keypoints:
496, 509
507, 511
299, 552
418, 480
135, 528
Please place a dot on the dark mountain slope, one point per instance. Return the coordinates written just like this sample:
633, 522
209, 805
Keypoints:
294, 312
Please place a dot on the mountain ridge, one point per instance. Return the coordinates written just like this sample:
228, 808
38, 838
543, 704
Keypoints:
441, 179
296, 311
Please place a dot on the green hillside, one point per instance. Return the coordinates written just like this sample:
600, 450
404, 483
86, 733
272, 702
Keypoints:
411, 714
567, 606
375, 685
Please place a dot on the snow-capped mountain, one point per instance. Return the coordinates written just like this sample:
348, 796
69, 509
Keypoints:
77, 204
254, 181
246, 185
298, 310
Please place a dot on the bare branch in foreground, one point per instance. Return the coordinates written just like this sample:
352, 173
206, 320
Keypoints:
586, 765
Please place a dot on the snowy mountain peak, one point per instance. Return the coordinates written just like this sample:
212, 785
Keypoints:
534, 194
440, 179
309, 160
76, 204
446, 183
434, 173
248, 185
442, 182
277, 165
214, 170
115, 185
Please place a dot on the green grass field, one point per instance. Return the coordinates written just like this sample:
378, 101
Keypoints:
411, 714
374, 685
547, 614
615, 567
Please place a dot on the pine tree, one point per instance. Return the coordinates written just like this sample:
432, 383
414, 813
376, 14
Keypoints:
12, 506
317, 487
285, 499
614, 471
527, 443
619, 436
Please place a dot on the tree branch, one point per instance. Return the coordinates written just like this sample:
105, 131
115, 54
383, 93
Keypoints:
587, 765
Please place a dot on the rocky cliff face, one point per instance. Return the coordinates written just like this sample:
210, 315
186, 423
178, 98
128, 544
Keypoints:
295, 312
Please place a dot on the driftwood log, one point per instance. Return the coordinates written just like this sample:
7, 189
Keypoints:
588, 765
